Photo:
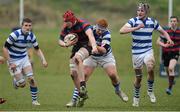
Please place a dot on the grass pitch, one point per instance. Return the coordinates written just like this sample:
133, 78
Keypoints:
55, 85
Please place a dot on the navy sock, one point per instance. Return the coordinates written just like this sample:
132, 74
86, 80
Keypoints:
136, 92
150, 85
34, 91
117, 87
75, 94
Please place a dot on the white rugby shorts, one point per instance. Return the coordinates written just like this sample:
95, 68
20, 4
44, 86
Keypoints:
20, 64
139, 60
102, 61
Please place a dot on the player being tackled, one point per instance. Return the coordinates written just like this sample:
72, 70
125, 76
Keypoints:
81, 49
103, 58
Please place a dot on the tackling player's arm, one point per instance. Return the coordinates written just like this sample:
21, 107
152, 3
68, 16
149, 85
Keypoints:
102, 49
105, 44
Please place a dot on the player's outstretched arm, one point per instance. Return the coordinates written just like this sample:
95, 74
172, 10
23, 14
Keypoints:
41, 55
7, 57
6, 53
159, 42
166, 35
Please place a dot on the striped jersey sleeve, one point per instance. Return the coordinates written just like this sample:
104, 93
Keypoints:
156, 25
131, 22
106, 38
33, 40
12, 37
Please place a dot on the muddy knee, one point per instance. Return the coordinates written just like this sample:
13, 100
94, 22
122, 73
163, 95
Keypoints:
21, 83
77, 59
31, 81
81, 55
150, 65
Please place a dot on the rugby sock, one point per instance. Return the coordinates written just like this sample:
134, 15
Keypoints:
116, 87
136, 92
171, 81
83, 90
34, 91
75, 94
150, 85
83, 83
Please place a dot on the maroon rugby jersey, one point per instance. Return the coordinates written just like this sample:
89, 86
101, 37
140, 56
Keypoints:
79, 28
175, 37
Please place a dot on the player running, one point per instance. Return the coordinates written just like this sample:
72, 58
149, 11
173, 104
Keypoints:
170, 53
15, 51
142, 28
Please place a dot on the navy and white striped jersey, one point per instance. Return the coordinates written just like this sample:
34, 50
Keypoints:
142, 38
104, 39
19, 43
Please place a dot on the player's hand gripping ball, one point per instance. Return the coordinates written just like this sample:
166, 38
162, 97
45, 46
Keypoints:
71, 39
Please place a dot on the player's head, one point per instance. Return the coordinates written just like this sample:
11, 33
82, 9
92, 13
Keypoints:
174, 21
143, 10
101, 26
69, 18
26, 25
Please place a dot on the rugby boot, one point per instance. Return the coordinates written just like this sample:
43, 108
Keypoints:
122, 95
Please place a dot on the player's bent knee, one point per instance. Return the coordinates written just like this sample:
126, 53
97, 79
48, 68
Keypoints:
150, 66
31, 80
77, 59
21, 83
170, 69
80, 55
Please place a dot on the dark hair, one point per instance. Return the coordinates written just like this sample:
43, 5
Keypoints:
175, 17
27, 20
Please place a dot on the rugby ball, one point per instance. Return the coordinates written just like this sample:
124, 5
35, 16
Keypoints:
72, 37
